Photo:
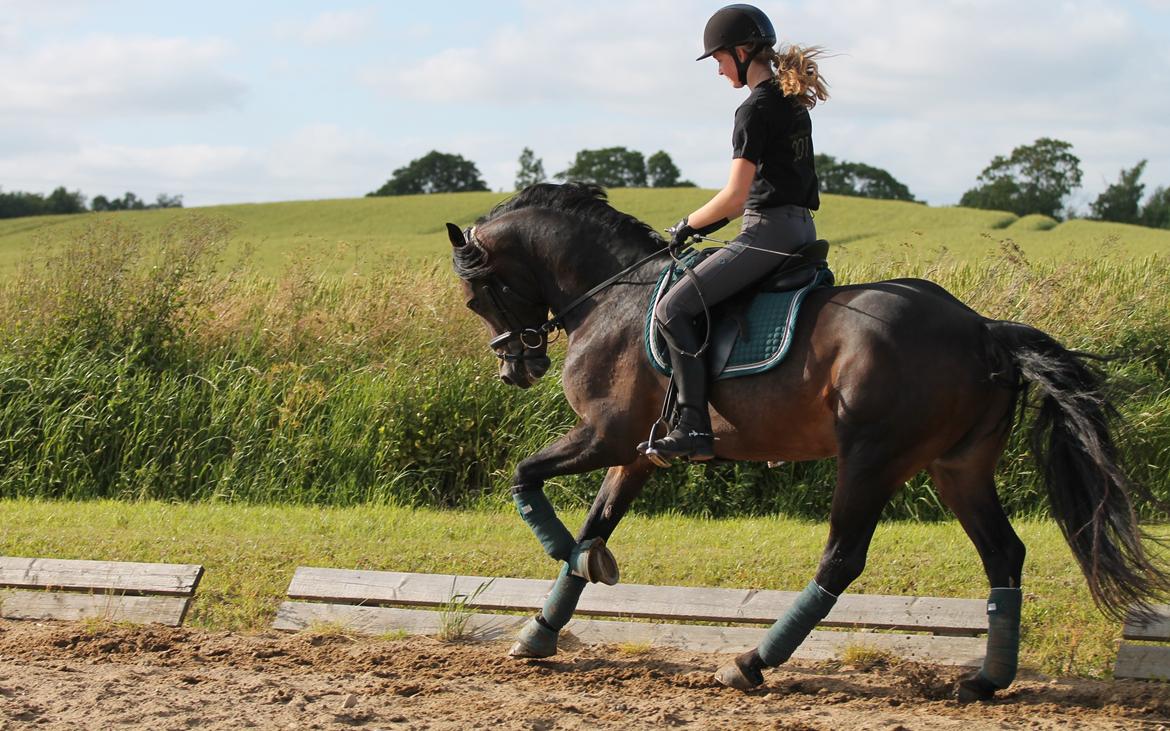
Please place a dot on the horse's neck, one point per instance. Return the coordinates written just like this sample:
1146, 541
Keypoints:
619, 306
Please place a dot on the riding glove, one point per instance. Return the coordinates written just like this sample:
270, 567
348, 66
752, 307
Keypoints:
682, 232
680, 236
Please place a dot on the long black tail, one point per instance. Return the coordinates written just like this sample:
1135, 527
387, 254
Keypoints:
1087, 489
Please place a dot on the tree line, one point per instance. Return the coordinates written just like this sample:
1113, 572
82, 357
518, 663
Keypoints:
617, 167
1039, 177
1033, 179
16, 204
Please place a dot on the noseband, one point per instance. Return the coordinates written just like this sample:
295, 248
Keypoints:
532, 337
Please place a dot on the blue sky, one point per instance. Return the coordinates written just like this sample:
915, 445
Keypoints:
259, 101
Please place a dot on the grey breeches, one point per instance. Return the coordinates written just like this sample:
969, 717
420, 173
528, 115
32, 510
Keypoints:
729, 270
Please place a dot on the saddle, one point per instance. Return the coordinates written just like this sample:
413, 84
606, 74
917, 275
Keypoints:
751, 331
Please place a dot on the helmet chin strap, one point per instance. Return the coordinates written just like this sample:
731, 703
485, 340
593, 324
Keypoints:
741, 67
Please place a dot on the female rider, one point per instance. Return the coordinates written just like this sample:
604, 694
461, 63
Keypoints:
773, 184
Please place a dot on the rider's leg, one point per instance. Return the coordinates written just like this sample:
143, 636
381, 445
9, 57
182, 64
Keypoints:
691, 437
752, 255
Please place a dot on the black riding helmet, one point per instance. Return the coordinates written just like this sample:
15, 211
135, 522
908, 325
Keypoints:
738, 25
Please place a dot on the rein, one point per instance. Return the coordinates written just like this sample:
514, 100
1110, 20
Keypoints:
537, 337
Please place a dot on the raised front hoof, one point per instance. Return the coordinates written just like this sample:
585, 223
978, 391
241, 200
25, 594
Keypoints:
733, 676
595, 563
975, 688
534, 642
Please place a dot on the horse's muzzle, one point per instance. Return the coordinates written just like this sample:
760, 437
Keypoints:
523, 373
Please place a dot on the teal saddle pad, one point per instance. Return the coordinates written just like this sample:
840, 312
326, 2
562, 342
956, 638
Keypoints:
764, 326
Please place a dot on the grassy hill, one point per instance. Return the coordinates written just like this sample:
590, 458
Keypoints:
366, 233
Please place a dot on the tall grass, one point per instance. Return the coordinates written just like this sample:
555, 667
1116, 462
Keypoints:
134, 365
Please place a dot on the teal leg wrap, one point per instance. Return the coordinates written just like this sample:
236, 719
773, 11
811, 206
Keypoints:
789, 631
1003, 637
540, 516
562, 600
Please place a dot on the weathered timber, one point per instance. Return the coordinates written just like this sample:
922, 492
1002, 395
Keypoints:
123, 577
923, 614
820, 645
1149, 662
20, 604
1156, 628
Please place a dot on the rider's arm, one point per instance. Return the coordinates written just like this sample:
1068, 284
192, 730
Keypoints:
729, 202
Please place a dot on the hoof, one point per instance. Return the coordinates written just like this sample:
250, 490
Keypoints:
535, 641
595, 563
733, 676
975, 688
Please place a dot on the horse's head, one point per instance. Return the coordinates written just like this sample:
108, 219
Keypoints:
509, 305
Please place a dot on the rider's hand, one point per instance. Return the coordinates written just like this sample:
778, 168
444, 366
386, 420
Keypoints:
680, 236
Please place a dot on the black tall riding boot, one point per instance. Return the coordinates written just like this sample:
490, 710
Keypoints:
691, 438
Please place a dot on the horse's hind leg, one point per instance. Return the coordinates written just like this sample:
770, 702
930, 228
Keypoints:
966, 485
864, 486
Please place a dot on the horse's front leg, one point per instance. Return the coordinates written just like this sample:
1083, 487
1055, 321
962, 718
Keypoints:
586, 559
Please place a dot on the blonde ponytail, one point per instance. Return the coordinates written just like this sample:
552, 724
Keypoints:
796, 70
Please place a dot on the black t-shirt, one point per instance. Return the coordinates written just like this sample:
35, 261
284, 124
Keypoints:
775, 132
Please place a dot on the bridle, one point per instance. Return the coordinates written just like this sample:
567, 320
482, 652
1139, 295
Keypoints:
533, 339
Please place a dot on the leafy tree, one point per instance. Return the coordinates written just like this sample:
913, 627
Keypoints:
1121, 202
435, 172
663, 173
64, 201
531, 170
128, 202
167, 201
858, 179
1156, 212
1036, 178
610, 167
18, 203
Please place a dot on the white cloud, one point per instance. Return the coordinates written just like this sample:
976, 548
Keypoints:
930, 90
110, 75
97, 168
610, 54
328, 28
18, 17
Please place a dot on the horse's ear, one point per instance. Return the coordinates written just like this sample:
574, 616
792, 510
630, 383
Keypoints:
456, 235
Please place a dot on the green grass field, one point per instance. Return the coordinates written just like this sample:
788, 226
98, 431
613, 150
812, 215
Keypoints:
250, 552
255, 411
365, 234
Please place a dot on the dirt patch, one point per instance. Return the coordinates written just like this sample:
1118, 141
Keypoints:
71, 675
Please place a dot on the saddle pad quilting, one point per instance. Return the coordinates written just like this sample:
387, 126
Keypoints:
771, 320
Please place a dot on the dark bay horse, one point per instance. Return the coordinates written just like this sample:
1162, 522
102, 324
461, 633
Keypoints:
891, 378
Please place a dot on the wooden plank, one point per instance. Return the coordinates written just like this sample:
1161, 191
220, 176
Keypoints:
1156, 629
820, 645
121, 576
924, 614
1149, 662
18, 604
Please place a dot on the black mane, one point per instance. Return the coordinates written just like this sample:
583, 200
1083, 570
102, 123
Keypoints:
585, 201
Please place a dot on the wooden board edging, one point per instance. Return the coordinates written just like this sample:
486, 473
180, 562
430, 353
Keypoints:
820, 645
124, 577
1156, 629
1142, 662
22, 604
961, 617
